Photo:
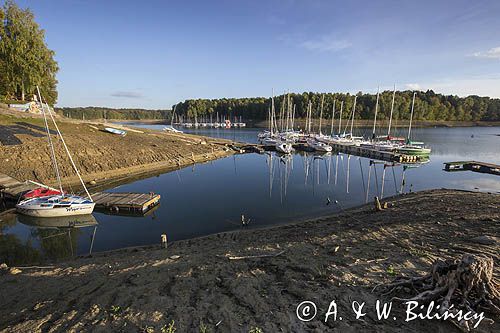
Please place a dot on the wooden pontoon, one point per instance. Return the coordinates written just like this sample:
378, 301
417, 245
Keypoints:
117, 202
475, 166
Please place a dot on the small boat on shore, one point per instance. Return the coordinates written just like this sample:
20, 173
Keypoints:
172, 129
115, 131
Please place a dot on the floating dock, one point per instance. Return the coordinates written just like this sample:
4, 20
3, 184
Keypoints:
12, 189
125, 202
388, 156
475, 166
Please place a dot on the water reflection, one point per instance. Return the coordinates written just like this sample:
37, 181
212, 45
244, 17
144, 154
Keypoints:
47, 239
266, 189
318, 170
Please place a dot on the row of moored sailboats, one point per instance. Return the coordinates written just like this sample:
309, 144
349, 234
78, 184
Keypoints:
281, 134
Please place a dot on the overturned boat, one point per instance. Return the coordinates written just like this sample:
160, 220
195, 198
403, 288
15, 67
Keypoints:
115, 131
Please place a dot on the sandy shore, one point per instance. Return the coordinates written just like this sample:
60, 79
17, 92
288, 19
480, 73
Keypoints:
100, 156
196, 286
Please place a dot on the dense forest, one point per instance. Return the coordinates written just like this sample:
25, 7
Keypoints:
25, 60
92, 112
428, 106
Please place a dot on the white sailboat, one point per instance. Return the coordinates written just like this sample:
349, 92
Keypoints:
61, 204
319, 146
413, 147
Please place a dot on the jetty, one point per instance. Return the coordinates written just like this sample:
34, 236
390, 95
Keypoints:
475, 166
12, 189
387, 156
126, 203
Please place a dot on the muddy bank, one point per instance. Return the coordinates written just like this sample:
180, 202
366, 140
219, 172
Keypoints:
195, 286
100, 156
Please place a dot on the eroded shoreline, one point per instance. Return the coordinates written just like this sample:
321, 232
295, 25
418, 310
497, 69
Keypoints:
101, 157
195, 283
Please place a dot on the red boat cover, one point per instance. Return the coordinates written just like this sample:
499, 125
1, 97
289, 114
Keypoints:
40, 192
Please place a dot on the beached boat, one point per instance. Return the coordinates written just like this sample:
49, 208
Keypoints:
60, 204
172, 129
115, 131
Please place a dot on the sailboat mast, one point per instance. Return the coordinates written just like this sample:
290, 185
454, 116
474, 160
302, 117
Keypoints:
51, 145
353, 110
288, 111
376, 111
321, 113
309, 118
411, 115
69, 154
340, 115
333, 117
392, 109
271, 114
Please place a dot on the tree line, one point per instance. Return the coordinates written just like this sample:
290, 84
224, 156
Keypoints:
429, 106
25, 59
92, 112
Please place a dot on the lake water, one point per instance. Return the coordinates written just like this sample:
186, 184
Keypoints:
267, 189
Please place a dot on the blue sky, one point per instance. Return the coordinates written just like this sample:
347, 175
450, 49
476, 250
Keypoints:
152, 54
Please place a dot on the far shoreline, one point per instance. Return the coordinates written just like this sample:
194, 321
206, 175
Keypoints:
326, 123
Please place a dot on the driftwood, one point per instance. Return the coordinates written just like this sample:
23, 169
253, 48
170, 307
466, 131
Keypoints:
466, 285
257, 256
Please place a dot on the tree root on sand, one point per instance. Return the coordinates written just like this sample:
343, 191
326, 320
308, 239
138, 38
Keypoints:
466, 285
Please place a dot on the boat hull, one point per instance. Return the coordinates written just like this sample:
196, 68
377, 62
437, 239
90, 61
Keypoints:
414, 151
80, 209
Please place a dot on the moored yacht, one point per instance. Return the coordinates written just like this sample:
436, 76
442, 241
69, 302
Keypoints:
56, 206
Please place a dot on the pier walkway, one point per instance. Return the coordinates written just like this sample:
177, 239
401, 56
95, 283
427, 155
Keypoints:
11, 188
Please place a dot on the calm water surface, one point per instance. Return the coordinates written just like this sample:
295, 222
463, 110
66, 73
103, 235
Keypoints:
267, 189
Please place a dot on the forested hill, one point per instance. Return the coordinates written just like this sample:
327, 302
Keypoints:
428, 106
92, 112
